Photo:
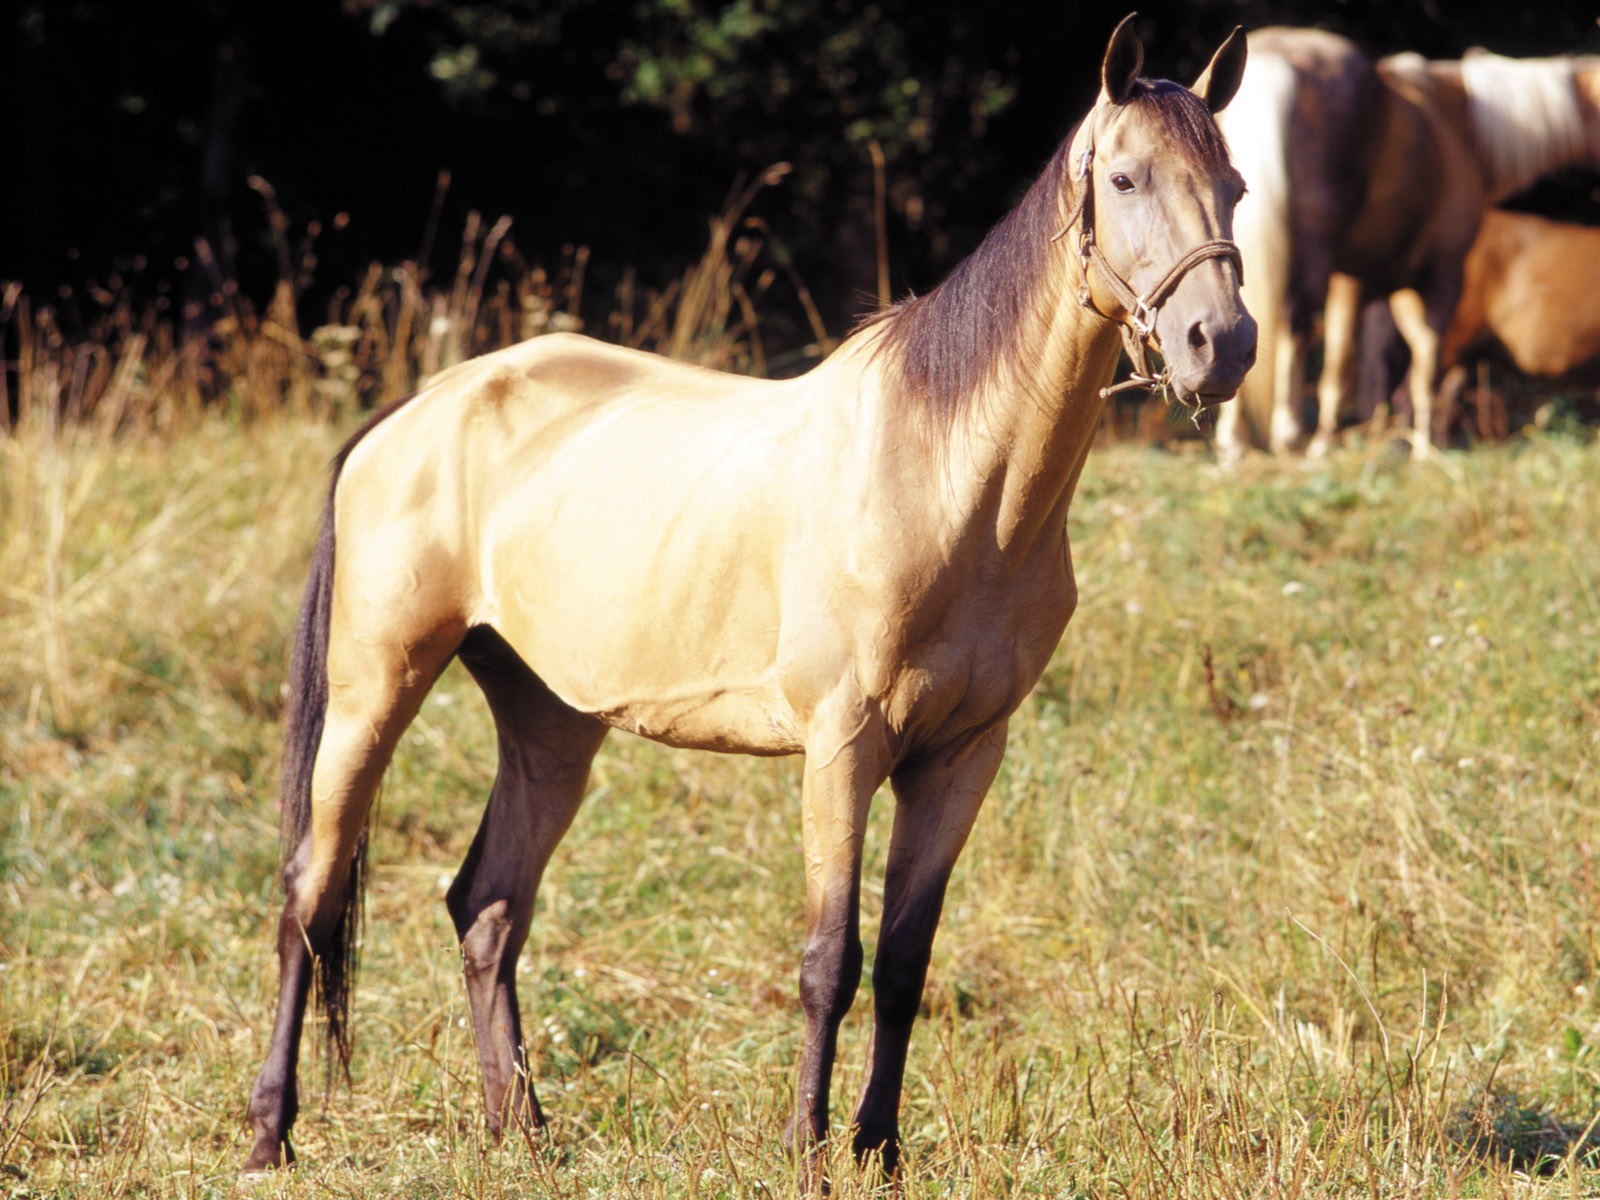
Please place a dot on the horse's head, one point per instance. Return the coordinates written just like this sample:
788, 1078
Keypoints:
1155, 222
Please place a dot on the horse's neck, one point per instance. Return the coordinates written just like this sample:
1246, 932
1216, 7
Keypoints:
994, 377
1035, 436
1009, 463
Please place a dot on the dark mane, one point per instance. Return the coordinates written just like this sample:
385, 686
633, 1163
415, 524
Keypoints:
941, 349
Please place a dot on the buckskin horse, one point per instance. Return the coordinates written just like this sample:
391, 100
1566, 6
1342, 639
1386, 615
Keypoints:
866, 565
1369, 179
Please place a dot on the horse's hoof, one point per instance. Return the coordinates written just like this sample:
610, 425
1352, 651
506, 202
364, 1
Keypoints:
265, 1161
1229, 455
877, 1152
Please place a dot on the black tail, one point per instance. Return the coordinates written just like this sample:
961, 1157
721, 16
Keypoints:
307, 709
308, 706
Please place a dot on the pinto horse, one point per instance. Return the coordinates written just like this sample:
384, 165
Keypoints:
1369, 179
866, 565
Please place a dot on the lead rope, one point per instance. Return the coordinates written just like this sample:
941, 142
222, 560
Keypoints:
1139, 330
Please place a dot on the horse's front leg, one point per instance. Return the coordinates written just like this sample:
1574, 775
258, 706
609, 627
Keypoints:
937, 805
845, 763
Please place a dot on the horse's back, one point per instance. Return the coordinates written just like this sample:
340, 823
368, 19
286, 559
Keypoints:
543, 382
517, 407
478, 428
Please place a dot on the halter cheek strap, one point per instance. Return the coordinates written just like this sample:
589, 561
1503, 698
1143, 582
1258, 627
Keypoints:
1139, 329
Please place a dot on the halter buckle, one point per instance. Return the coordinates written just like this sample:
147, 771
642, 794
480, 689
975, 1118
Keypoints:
1143, 318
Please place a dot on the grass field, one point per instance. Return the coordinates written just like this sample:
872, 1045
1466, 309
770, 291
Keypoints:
1288, 887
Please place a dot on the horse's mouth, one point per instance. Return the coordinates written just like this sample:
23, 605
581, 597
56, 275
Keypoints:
1199, 402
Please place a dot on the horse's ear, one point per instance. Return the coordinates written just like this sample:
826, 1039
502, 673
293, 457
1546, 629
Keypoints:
1220, 80
1124, 57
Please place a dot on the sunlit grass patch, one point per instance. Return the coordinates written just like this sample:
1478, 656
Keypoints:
1288, 885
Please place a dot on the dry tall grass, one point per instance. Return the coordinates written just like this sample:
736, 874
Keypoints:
128, 366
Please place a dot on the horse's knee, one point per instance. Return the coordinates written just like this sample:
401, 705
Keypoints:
830, 973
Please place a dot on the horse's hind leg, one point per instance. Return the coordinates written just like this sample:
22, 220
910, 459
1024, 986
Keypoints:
1420, 328
1285, 435
1337, 383
376, 687
545, 752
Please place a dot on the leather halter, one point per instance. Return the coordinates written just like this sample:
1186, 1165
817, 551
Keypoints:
1139, 329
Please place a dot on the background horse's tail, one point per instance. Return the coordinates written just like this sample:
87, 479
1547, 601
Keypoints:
307, 709
1256, 125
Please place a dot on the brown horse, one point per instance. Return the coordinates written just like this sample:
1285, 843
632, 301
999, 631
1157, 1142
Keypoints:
1370, 179
1527, 298
867, 565
1529, 290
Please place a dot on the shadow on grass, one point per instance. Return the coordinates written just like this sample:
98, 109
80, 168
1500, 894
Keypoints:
1504, 1128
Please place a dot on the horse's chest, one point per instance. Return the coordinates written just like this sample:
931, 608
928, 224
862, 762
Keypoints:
976, 672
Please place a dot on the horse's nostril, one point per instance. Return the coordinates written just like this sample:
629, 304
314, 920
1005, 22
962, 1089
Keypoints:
1198, 338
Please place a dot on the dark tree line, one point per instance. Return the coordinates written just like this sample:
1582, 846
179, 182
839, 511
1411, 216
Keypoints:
136, 129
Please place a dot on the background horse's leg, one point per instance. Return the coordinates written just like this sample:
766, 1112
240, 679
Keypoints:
1286, 435
937, 805
1337, 383
1230, 441
1422, 336
841, 776
363, 723
545, 752
1451, 388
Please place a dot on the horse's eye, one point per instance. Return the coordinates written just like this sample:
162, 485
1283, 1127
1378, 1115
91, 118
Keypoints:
1122, 183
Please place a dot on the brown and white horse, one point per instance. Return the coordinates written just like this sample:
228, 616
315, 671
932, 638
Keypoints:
867, 565
1369, 179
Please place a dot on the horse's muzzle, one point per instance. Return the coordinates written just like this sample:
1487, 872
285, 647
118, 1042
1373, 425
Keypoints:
1200, 401
1213, 358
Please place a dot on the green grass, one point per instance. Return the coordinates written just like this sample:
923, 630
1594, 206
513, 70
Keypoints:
1288, 887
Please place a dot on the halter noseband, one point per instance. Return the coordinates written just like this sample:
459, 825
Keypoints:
1139, 330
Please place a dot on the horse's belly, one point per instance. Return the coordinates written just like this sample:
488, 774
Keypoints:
679, 669
726, 722
684, 656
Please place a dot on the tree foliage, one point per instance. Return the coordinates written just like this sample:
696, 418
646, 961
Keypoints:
618, 124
